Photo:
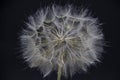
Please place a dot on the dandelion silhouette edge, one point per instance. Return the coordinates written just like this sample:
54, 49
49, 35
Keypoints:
58, 36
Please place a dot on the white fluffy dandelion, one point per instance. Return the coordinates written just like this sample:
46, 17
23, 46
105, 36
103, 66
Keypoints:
58, 38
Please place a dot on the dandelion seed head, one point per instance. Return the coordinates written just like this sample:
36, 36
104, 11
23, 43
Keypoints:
58, 36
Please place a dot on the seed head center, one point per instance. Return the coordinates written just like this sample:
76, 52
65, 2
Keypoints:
60, 38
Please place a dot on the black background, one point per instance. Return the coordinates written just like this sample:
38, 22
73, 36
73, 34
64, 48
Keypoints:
13, 13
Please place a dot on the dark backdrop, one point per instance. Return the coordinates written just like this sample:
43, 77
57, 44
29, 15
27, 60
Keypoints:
13, 13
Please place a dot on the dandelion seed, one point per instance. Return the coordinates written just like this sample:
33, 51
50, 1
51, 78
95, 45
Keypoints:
58, 38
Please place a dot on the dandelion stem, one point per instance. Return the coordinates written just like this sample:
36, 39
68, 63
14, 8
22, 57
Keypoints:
59, 73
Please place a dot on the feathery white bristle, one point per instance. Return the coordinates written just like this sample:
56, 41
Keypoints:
58, 36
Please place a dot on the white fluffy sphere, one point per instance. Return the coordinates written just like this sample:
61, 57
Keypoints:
59, 36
